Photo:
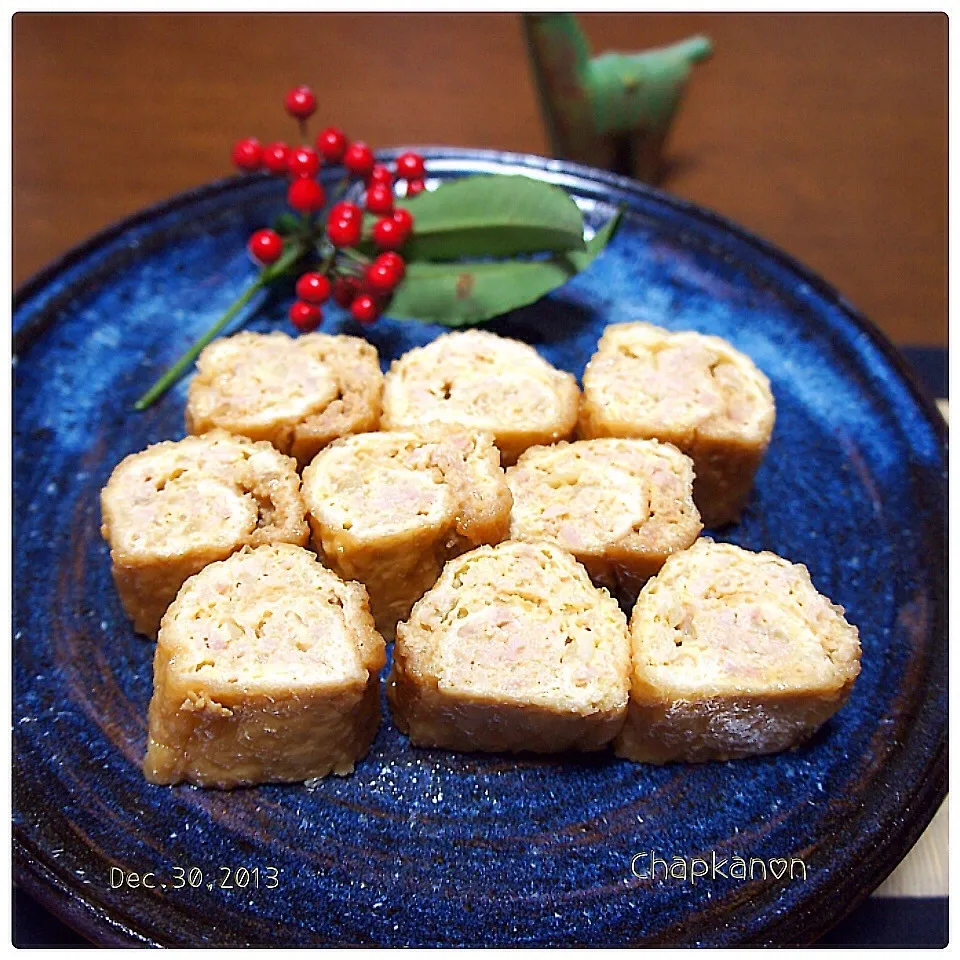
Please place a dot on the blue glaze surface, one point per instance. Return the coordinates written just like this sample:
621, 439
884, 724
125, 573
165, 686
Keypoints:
426, 847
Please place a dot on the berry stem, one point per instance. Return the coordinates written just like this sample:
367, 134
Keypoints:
174, 373
351, 270
328, 257
186, 359
303, 129
352, 254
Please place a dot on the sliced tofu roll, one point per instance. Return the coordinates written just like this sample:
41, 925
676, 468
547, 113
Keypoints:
513, 650
734, 654
484, 383
266, 670
621, 507
300, 393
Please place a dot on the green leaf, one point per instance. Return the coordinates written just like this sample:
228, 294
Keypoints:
463, 294
583, 258
491, 216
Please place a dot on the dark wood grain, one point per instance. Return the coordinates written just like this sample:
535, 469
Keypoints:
826, 134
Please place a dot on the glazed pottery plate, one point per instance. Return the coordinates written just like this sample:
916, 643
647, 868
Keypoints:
428, 847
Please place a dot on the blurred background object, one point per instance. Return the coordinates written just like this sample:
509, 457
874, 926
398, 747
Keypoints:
823, 133
613, 110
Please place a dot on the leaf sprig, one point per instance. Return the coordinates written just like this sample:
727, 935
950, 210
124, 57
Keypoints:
482, 246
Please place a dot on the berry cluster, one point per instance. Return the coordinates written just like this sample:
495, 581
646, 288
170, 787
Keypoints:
354, 281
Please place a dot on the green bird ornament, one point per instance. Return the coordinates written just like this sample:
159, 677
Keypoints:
613, 110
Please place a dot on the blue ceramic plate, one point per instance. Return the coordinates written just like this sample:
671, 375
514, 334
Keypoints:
427, 847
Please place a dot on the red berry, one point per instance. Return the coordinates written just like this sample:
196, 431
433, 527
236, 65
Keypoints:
306, 196
395, 262
388, 235
275, 157
359, 159
403, 218
246, 154
415, 186
345, 211
300, 102
364, 309
305, 316
265, 246
332, 143
380, 199
381, 174
343, 231
313, 288
384, 274
379, 279
303, 162
345, 289
410, 166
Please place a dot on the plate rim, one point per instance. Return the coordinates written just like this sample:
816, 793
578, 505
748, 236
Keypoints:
917, 807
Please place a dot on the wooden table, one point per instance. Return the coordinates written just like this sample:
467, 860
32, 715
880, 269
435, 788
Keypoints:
826, 134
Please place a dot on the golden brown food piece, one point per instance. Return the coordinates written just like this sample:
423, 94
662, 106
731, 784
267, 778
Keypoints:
621, 507
734, 654
389, 509
694, 391
266, 670
173, 508
514, 649
484, 383
300, 393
